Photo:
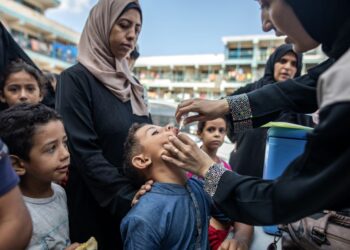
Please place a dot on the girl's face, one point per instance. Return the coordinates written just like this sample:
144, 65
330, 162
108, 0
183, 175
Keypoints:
21, 87
278, 15
213, 134
124, 33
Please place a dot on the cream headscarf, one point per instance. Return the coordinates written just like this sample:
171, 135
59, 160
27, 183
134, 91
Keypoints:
96, 56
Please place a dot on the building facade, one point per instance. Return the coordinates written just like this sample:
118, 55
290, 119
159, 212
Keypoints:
53, 47
211, 76
49, 44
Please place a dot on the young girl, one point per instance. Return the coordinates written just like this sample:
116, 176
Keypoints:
20, 83
212, 133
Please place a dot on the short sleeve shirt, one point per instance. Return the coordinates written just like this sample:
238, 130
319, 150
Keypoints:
8, 177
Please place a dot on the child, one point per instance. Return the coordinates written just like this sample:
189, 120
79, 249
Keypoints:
20, 83
212, 133
174, 214
37, 143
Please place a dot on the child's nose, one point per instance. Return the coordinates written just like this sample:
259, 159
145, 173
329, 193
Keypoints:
170, 127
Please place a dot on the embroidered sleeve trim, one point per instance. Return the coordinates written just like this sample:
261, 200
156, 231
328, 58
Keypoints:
241, 112
239, 107
212, 178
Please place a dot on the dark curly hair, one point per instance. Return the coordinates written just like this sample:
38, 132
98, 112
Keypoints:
18, 125
18, 66
132, 147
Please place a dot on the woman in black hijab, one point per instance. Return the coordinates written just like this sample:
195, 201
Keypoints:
248, 158
319, 178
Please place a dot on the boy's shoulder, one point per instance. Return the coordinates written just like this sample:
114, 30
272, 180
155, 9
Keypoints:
161, 199
59, 191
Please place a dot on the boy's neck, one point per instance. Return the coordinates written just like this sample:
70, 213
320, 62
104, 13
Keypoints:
161, 172
35, 189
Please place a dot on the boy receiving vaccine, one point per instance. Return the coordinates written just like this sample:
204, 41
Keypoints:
175, 213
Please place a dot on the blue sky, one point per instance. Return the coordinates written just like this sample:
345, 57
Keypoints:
173, 27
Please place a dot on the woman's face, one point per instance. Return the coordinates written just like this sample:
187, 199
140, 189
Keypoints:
278, 15
124, 33
285, 68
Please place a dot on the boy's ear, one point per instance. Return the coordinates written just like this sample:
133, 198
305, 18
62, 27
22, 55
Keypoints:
141, 161
18, 165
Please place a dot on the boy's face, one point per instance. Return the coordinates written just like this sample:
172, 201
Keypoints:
21, 87
49, 156
152, 138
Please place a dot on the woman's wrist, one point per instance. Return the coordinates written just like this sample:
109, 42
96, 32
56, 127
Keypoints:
212, 178
204, 170
224, 106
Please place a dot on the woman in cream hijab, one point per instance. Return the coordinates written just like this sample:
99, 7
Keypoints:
99, 100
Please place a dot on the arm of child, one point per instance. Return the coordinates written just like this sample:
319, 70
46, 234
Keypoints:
15, 221
137, 234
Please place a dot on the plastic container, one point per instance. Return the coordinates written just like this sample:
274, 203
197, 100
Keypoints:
282, 147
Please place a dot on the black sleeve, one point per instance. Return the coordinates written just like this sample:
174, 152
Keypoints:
318, 179
265, 104
245, 89
297, 95
107, 184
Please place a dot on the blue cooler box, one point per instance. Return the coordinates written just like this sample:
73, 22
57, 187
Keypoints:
282, 147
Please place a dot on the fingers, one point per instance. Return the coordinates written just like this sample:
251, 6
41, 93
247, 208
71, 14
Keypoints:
186, 139
174, 162
174, 152
183, 108
144, 189
195, 118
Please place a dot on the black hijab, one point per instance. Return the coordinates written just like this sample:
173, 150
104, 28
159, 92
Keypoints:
327, 22
275, 57
10, 50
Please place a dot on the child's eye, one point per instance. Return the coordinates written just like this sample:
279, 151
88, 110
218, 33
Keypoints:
211, 130
222, 130
155, 132
12, 89
30, 89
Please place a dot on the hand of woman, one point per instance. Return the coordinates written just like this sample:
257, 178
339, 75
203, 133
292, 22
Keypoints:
144, 188
205, 109
184, 153
233, 244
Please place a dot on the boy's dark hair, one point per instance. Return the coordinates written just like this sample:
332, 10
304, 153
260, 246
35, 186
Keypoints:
18, 125
19, 65
131, 148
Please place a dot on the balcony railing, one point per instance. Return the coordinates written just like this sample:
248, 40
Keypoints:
66, 53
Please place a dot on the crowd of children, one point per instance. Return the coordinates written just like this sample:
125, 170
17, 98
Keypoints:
99, 100
175, 214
